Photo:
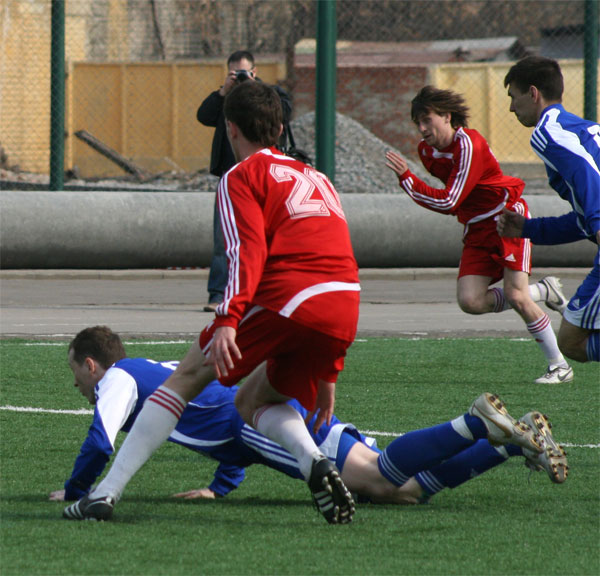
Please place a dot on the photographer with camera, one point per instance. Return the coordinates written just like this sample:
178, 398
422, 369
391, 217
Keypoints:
241, 68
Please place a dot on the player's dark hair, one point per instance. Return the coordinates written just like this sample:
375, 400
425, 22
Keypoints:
255, 108
543, 73
99, 343
241, 55
432, 99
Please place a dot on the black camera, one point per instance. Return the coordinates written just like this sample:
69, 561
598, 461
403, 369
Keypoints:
242, 75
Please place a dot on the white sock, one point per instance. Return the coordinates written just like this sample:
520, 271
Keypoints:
282, 424
152, 427
541, 330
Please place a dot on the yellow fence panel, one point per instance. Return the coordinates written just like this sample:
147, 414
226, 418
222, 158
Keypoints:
146, 112
482, 85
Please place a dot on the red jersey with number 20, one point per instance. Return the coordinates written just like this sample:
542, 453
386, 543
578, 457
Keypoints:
288, 246
475, 187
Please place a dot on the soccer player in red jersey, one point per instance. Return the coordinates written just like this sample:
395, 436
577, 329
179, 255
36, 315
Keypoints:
289, 314
475, 191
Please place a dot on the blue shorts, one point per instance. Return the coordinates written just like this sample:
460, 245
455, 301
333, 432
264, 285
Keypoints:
349, 439
584, 308
334, 441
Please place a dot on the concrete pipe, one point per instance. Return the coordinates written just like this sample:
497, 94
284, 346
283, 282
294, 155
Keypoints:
107, 230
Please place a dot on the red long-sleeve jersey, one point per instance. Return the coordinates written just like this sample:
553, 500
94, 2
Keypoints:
288, 245
475, 187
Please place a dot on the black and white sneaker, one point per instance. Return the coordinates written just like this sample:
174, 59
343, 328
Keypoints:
87, 508
330, 495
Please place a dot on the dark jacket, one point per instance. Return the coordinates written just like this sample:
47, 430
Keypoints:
210, 113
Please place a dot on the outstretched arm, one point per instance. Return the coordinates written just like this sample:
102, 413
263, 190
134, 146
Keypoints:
458, 184
227, 478
117, 395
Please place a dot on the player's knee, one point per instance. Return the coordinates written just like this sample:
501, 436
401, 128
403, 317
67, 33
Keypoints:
244, 406
471, 303
572, 348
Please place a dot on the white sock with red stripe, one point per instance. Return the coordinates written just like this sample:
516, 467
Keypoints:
537, 291
152, 427
541, 330
284, 425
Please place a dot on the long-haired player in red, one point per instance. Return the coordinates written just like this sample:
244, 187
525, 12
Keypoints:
475, 191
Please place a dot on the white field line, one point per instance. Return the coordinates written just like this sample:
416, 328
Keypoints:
83, 411
169, 342
45, 410
128, 343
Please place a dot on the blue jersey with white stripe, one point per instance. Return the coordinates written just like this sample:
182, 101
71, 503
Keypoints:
210, 424
570, 149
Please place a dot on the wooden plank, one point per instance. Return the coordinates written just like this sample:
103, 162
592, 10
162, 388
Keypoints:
127, 165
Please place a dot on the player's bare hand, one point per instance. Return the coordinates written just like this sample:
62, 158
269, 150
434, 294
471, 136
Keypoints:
396, 163
324, 405
205, 493
510, 224
57, 495
223, 351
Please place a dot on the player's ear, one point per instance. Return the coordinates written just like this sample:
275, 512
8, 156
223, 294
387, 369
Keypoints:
90, 364
534, 93
232, 128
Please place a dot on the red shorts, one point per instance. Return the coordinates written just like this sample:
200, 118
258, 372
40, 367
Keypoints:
297, 356
486, 253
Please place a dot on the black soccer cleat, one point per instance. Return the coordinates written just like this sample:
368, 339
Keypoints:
97, 509
330, 495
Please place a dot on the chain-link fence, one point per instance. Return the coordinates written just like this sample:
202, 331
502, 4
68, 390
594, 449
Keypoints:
137, 70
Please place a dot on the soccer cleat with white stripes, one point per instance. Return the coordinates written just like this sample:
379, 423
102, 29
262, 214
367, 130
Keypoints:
98, 509
553, 459
329, 493
501, 426
557, 375
556, 299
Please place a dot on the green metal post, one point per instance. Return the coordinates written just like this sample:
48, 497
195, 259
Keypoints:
325, 82
590, 42
57, 96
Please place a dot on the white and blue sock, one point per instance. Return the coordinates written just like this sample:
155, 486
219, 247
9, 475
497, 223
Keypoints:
465, 465
420, 450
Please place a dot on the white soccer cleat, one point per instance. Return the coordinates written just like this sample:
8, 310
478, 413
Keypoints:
556, 299
558, 375
501, 426
554, 458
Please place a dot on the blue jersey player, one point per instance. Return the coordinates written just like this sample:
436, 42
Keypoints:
570, 149
411, 469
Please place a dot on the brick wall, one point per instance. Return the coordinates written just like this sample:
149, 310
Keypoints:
377, 97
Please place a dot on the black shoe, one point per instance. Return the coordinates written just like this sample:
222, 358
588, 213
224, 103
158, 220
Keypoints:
87, 508
330, 495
